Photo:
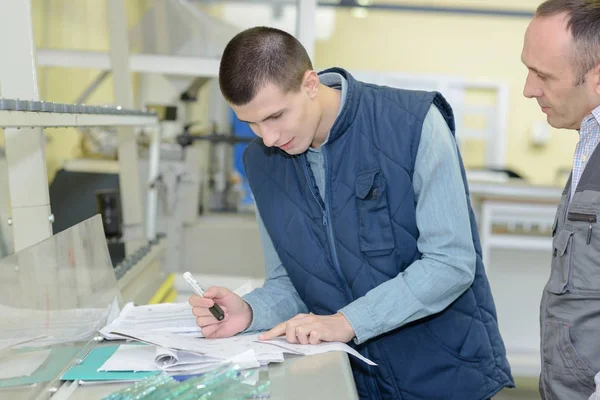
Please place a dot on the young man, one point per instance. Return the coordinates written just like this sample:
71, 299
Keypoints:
366, 225
562, 52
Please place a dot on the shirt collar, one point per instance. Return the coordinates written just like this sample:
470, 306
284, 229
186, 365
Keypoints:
590, 121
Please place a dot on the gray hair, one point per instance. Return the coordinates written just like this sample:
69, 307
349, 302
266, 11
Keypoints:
584, 24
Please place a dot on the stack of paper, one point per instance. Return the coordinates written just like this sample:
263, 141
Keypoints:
154, 358
323, 347
168, 317
174, 353
176, 350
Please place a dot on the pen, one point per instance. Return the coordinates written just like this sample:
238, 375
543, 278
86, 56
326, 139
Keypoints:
214, 310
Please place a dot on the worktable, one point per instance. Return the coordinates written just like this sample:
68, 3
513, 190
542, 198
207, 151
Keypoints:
322, 376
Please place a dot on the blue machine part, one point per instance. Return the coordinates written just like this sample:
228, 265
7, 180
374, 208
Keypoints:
242, 129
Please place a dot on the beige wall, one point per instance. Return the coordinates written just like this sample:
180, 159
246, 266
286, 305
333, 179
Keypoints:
478, 47
73, 25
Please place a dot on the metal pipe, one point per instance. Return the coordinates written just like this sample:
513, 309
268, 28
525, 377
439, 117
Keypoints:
434, 9
91, 87
493, 12
153, 182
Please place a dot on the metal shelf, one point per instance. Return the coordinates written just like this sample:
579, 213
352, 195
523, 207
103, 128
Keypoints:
520, 242
146, 63
30, 119
515, 190
26, 113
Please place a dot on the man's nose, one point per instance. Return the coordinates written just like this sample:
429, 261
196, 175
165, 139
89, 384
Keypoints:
532, 89
269, 137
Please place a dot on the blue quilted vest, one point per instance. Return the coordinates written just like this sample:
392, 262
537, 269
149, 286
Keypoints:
365, 234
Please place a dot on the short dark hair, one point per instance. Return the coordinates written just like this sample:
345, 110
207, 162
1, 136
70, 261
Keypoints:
258, 56
584, 24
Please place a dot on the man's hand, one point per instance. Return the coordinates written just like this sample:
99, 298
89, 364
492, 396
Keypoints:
313, 329
238, 314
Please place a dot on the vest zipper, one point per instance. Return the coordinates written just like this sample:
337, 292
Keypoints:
581, 217
373, 388
323, 205
327, 214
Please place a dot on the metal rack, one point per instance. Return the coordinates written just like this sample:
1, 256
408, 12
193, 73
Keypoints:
23, 116
16, 113
19, 114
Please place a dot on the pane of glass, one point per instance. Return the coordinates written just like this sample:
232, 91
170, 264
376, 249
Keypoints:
54, 296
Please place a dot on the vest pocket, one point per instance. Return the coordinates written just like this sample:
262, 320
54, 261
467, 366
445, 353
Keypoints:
562, 363
585, 276
375, 225
447, 350
561, 263
555, 225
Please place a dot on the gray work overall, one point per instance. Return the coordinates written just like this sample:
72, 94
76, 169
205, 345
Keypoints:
570, 307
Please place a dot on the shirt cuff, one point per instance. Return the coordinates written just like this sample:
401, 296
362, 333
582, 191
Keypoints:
259, 312
361, 319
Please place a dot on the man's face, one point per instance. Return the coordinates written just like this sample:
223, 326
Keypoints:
552, 79
285, 120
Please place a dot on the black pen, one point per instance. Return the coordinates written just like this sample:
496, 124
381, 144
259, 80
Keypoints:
214, 310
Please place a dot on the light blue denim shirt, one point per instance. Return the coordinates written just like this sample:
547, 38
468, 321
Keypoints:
429, 285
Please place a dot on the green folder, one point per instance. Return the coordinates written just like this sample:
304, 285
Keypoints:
88, 369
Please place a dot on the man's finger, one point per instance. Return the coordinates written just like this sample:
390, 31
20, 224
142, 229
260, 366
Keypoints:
217, 292
315, 329
314, 338
301, 335
200, 311
206, 320
212, 331
273, 333
290, 331
197, 301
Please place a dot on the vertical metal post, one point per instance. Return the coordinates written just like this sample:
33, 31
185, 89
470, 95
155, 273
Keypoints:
153, 174
25, 153
496, 145
306, 24
129, 175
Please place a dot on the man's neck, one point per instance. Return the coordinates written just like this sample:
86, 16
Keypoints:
330, 100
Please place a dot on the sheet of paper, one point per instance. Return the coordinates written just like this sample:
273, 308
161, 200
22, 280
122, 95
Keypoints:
244, 289
146, 358
324, 347
166, 358
217, 349
131, 357
22, 363
266, 353
88, 369
167, 317
246, 360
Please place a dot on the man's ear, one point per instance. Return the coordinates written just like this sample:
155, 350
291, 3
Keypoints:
310, 83
595, 76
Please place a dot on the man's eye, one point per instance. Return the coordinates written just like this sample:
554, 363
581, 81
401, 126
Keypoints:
277, 116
